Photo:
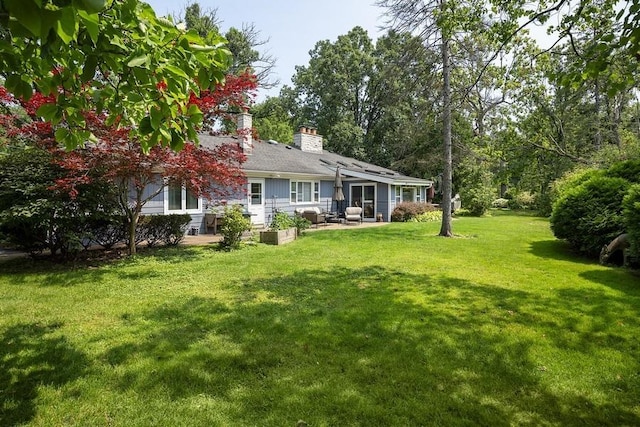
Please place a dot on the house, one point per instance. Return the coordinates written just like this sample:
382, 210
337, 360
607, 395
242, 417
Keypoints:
282, 177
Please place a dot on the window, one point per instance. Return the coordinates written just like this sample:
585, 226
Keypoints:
305, 191
409, 194
181, 199
398, 194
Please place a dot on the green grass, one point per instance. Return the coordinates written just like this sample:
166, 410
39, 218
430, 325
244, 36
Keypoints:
364, 327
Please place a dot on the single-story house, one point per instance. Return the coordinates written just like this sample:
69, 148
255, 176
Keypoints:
282, 177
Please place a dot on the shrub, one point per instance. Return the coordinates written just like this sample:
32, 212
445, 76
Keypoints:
477, 199
631, 214
166, 229
475, 186
500, 203
522, 201
281, 221
589, 215
233, 227
629, 170
300, 223
562, 185
406, 211
107, 232
429, 216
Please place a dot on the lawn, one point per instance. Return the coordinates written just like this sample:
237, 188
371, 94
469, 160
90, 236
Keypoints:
364, 327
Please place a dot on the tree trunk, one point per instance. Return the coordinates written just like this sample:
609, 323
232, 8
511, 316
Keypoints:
445, 229
133, 224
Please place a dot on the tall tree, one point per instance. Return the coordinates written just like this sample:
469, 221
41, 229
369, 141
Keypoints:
244, 44
367, 99
271, 120
438, 22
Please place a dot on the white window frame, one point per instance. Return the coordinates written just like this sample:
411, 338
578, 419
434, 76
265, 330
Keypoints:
294, 191
183, 199
414, 190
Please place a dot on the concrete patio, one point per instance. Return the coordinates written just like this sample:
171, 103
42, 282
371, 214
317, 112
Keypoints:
207, 239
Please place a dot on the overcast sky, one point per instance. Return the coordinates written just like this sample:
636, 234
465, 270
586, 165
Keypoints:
293, 27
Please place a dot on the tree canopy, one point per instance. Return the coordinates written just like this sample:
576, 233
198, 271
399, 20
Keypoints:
111, 56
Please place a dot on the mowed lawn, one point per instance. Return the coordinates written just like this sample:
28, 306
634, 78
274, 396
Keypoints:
387, 326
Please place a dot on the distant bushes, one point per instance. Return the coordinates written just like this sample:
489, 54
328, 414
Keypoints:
593, 207
523, 200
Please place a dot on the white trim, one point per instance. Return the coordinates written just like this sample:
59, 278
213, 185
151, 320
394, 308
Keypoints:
183, 199
315, 191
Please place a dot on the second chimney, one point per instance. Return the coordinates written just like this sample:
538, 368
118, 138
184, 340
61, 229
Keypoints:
307, 139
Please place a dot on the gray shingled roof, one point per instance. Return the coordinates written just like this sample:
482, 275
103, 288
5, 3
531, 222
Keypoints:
272, 157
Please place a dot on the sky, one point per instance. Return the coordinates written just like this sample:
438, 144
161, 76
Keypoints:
293, 27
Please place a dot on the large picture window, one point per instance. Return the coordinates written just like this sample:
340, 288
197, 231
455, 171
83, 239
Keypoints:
305, 191
181, 200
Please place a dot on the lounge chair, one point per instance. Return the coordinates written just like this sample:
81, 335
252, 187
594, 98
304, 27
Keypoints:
353, 214
314, 215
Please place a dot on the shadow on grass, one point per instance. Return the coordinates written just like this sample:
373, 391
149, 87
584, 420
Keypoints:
23, 271
33, 356
558, 250
618, 278
357, 347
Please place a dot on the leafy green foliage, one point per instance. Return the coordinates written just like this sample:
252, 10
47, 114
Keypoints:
166, 229
629, 170
34, 216
281, 221
631, 212
589, 214
429, 216
475, 186
271, 121
523, 200
110, 56
368, 100
300, 223
235, 224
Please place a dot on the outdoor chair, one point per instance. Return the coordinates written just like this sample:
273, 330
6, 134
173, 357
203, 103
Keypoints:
314, 215
353, 214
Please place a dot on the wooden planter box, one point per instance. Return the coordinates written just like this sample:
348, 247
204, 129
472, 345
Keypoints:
278, 237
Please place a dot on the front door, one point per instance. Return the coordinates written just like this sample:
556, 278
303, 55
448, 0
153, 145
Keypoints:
365, 197
256, 200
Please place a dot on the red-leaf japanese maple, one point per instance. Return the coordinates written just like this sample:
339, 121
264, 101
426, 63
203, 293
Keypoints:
211, 173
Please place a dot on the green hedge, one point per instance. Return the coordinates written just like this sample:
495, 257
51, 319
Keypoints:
164, 229
589, 215
631, 211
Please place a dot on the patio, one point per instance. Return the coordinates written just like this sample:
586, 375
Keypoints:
205, 239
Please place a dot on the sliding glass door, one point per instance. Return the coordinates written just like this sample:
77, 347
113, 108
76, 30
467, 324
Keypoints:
365, 197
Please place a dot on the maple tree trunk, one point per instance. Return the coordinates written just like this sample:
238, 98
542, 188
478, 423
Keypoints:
133, 224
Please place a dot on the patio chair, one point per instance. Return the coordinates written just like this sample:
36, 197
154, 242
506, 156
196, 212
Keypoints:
353, 214
314, 215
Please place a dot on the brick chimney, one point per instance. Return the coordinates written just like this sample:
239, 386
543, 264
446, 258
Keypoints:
244, 128
307, 139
